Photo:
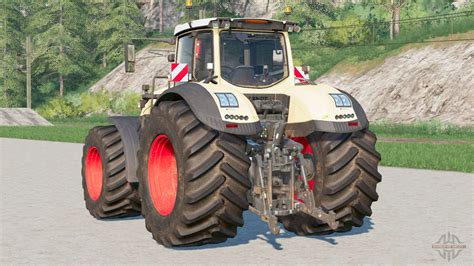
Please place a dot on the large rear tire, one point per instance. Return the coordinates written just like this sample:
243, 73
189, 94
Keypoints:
345, 181
193, 179
107, 193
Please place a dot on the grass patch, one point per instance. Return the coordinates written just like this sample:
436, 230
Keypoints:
428, 156
429, 130
452, 157
64, 130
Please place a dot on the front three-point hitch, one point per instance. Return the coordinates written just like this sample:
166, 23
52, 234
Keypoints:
280, 175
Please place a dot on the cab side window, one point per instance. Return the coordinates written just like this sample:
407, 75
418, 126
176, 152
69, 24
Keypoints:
195, 49
185, 50
202, 55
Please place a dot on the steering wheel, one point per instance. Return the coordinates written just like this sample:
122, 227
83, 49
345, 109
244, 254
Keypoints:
226, 71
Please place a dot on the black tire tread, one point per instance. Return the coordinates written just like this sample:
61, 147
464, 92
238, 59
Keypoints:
350, 176
119, 198
215, 193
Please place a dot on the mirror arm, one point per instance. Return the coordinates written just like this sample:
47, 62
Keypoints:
171, 41
211, 79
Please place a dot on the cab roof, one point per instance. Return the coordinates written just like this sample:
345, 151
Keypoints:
237, 23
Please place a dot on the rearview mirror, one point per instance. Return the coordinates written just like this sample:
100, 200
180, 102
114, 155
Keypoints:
210, 66
129, 53
171, 58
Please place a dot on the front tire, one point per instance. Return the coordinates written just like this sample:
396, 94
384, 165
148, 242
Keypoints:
193, 179
107, 193
346, 178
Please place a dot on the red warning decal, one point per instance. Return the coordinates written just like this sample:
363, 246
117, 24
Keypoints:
300, 75
179, 72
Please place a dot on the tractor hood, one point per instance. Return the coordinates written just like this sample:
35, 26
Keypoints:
313, 108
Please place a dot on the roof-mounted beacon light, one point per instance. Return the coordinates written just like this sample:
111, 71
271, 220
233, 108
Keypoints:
189, 4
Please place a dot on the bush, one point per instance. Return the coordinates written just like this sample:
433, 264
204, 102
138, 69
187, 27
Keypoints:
86, 104
59, 108
126, 103
95, 103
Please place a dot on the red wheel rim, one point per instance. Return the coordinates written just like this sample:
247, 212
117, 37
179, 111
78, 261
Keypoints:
93, 173
306, 150
162, 175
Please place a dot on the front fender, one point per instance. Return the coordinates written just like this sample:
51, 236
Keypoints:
313, 109
207, 110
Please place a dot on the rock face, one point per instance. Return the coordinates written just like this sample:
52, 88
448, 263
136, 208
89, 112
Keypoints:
149, 62
420, 84
172, 13
21, 117
243, 8
151, 12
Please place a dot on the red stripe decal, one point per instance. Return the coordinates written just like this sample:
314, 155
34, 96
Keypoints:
298, 74
181, 75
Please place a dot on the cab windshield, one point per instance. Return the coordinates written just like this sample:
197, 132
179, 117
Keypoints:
253, 59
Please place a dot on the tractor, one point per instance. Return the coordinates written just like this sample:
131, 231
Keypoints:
238, 127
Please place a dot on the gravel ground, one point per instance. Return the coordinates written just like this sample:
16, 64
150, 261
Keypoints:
43, 221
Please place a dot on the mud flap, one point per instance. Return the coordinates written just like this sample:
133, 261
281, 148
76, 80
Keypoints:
128, 127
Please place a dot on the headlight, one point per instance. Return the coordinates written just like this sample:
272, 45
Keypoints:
227, 100
345, 100
341, 100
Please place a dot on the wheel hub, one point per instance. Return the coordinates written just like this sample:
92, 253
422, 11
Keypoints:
94, 173
162, 175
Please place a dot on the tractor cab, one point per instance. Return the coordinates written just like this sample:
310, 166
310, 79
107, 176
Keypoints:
242, 52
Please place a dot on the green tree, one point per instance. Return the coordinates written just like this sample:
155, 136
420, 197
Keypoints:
211, 8
309, 13
117, 23
59, 41
12, 85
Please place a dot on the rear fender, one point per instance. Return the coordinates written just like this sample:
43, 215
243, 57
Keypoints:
128, 127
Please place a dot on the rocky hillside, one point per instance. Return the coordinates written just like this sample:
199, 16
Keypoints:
149, 62
431, 82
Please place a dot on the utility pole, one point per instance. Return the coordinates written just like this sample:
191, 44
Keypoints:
161, 15
215, 8
28, 72
392, 18
4, 58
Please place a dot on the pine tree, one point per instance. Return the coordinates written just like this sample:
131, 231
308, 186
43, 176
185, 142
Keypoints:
117, 24
59, 43
12, 85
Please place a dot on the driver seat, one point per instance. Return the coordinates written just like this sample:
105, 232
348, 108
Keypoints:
243, 75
